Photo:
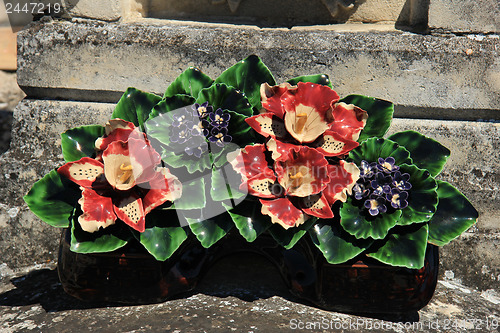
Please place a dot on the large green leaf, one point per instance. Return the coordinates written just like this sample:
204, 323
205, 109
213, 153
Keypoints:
53, 199
135, 106
179, 159
169, 104
210, 230
423, 197
360, 224
225, 184
336, 244
371, 149
225, 97
80, 142
247, 76
190, 82
193, 194
425, 152
248, 219
289, 237
322, 79
163, 235
104, 240
454, 215
379, 115
239, 130
404, 247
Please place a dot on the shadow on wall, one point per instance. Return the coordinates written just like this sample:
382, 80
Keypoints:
284, 13
5, 130
414, 16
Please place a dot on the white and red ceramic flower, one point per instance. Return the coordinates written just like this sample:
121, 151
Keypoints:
309, 114
123, 182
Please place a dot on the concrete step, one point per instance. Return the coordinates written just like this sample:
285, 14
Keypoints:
229, 300
450, 77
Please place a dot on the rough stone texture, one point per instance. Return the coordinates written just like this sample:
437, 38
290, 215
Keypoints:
107, 10
34, 151
465, 15
455, 77
230, 299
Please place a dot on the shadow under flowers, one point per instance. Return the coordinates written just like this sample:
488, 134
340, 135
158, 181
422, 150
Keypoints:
246, 276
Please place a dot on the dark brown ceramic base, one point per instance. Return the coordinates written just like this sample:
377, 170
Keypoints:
363, 285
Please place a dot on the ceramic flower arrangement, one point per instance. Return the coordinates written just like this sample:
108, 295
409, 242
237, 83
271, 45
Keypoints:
292, 160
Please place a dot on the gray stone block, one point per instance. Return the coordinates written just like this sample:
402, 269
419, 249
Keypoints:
34, 151
473, 168
452, 77
465, 15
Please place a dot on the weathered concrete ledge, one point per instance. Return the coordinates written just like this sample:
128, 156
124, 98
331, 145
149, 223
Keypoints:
458, 75
230, 298
473, 168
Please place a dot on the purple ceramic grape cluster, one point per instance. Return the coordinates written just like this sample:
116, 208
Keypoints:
191, 126
381, 185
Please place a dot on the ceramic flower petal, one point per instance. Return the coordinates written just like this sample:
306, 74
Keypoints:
116, 130
250, 162
307, 110
271, 97
164, 187
333, 144
130, 210
348, 120
83, 172
283, 212
129, 163
268, 125
303, 172
261, 186
97, 211
316, 205
279, 149
342, 179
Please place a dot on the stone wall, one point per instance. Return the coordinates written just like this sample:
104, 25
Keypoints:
445, 85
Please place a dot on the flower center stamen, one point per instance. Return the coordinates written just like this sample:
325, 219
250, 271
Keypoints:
296, 180
301, 122
127, 172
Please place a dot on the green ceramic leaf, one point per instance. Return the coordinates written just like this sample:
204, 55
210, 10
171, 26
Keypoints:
379, 115
288, 238
53, 199
406, 248
225, 97
371, 149
423, 197
425, 152
163, 235
454, 215
225, 184
249, 220
135, 106
193, 194
322, 79
169, 104
190, 82
104, 240
80, 142
337, 245
210, 230
362, 225
239, 130
181, 159
247, 76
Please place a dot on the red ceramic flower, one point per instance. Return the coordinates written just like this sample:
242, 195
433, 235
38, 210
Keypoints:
125, 181
309, 114
295, 184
